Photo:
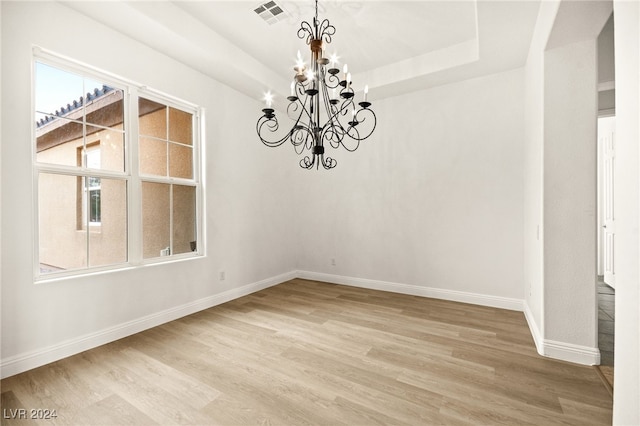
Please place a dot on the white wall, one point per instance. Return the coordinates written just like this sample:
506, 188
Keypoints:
627, 352
248, 216
533, 167
432, 203
570, 116
560, 180
606, 53
626, 410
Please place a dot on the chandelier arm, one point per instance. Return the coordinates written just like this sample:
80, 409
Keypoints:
328, 163
304, 109
300, 134
334, 134
308, 163
356, 139
334, 118
293, 106
330, 130
326, 31
272, 126
301, 139
344, 109
306, 32
372, 114
326, 99
332, 81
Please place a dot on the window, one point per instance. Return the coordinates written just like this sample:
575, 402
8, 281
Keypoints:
90, 203
166, 157
117, 172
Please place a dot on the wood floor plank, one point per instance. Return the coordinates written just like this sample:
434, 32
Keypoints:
310, 353
103, 412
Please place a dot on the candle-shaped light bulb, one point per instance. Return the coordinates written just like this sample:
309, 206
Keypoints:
299, 63
310, 75
353, 114
268, 98
333, 93
333, 59
293, 85
344, 70
366, 90
348, 80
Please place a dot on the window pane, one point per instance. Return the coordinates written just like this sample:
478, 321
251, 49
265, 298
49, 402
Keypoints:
111, 145
61, 245
180, 127
107, 221
57, 141
184, 219
104, 105
155, 219
93, 157
180, 161
56, 89
153, 156
153, 119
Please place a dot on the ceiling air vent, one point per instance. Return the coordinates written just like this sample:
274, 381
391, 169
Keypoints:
270, 12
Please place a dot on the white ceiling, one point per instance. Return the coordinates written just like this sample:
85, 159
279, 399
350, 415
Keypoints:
393, 46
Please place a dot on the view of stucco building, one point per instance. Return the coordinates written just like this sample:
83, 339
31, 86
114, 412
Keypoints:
83, 218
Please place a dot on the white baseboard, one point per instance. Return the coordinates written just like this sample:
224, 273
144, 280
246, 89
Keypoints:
414, 290
32, 359
560, 350
573, 353
533, 327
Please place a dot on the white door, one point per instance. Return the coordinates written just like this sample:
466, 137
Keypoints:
607, 136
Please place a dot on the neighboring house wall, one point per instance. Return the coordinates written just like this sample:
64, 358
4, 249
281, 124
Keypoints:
62, 199
62, 204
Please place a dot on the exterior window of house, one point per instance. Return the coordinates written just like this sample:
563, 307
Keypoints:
168, 185
90, 204
118, 181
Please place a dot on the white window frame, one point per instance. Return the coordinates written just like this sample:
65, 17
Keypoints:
87, 188
131, 173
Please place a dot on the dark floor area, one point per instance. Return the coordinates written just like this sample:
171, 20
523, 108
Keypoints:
606, 318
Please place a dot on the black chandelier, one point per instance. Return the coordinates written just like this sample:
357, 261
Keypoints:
345, 124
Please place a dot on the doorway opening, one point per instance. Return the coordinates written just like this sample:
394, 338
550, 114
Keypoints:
606, 189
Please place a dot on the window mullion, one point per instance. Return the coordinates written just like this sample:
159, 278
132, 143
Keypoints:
134, 193
198, 176
171, 252
86, 218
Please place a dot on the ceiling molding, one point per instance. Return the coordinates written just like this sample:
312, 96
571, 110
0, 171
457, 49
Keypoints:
421, 44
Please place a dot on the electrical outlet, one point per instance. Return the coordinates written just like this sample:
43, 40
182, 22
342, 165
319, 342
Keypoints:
222, 275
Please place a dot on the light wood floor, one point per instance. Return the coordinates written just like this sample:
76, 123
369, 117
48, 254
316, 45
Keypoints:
309, 353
